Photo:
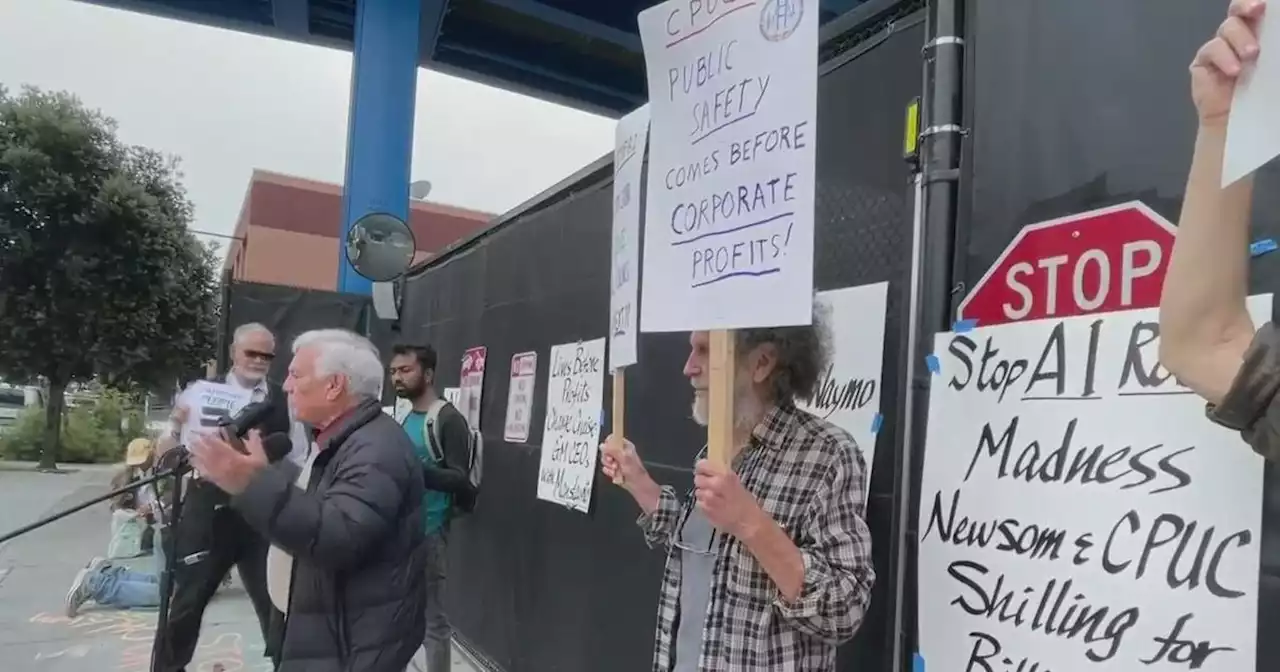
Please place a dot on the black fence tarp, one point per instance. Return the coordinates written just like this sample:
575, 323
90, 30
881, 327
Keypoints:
538, 588
289, 311
1083, 104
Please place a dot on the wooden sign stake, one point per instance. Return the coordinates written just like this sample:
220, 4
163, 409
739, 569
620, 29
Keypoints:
619, 402
618, 432
723, 359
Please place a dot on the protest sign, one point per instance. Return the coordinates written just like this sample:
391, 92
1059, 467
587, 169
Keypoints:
730, 192
210, 403
1078, 511
524, 376
571, 433
471, 384
848, 393
628, 161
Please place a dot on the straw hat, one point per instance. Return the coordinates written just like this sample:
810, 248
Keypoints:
137, 453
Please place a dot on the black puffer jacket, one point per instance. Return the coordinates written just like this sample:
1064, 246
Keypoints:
356, 602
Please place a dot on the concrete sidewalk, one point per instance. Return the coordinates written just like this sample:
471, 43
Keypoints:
36, 571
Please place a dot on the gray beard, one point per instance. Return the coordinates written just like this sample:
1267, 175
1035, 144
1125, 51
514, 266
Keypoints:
747, 411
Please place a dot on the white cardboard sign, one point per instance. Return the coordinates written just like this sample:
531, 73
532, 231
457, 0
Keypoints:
571, 433
729, 207
208, 403
1078, 511
624, 281
849, 391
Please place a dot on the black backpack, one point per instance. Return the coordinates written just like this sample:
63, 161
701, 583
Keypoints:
465, 502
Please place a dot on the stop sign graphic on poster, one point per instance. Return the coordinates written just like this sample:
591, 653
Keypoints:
1093, 262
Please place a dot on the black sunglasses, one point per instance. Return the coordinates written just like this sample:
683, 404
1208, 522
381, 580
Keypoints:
258, 354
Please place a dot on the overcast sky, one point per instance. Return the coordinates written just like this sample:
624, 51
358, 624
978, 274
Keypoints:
226, 103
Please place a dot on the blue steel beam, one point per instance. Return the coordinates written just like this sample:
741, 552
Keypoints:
570, 21
384, 79
292, 17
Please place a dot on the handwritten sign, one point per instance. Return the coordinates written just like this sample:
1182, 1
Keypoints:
729, 208
209, 404
1078, 511
849, 391
571, 434
472, 384
524, 377
632, 135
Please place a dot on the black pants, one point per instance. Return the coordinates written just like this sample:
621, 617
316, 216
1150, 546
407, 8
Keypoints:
227, 540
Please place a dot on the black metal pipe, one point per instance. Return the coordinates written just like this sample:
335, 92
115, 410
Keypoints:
930, 296
83, 505
169, 541
224, 324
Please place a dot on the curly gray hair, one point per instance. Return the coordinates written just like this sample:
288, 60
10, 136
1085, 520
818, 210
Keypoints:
803, 353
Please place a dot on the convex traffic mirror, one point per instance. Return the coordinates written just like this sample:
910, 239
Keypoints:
380, 247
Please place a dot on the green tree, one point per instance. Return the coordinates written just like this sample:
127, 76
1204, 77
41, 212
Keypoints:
101, 276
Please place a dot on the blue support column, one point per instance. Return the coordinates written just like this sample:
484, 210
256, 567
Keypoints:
384, 78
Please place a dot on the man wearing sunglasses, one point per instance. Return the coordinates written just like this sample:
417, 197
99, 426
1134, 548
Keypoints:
210, 535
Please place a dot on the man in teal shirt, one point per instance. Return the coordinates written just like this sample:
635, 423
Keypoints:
441, 438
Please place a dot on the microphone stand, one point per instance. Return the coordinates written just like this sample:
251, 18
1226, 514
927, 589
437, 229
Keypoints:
168, 540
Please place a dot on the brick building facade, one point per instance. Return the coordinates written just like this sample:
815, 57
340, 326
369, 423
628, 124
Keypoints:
287, 233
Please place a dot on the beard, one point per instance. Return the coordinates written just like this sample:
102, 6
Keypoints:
410, 392
747, 410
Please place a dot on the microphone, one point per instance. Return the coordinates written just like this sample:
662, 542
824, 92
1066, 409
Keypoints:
249, 417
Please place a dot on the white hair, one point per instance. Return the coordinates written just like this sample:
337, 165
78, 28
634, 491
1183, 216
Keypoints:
347, 354
244, 330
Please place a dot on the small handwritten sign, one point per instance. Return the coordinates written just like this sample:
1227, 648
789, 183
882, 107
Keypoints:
571, 434
848, 393
729, 207
524, 376
210, 403
471, 390
1078, 512
624, 284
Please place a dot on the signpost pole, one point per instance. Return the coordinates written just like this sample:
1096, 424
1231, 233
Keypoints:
619, 402
720, 448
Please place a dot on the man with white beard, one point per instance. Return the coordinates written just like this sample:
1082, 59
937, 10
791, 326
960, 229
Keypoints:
768, 562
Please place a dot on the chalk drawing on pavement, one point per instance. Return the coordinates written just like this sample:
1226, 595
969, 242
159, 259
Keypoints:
218, 651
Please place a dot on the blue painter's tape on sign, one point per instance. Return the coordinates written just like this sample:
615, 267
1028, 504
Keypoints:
1261, 247
876, 422
935, 366
962, 326
917, 663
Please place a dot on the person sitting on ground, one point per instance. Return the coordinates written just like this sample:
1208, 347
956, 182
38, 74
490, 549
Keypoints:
138, 462
104, 582
107, 584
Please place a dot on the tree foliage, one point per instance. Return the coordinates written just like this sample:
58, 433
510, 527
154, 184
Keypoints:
101, 277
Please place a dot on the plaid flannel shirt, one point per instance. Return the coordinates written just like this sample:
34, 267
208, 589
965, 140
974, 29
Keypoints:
808, 475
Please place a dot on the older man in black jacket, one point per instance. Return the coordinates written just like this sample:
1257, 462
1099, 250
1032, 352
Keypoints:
351, 520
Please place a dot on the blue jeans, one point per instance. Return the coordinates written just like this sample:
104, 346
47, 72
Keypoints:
439, 640
123, 588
